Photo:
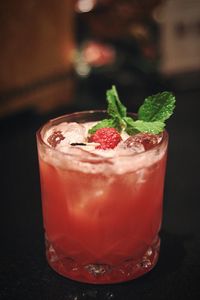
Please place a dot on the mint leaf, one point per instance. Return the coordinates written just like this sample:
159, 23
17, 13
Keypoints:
152, 114
133, 127
129, 128
154, 127
103, 124
115, 108
157, 107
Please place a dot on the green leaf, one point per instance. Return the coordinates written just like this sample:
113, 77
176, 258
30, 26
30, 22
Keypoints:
133, 127
157, 107
129, 128
103, 124
154, 127
151, 115
115, 108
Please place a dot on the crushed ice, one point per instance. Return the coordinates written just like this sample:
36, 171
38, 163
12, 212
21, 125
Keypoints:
66, 137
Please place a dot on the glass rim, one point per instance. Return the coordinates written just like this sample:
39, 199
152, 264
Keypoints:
92, 156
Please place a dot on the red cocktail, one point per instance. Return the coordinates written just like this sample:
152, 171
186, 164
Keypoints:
102, 214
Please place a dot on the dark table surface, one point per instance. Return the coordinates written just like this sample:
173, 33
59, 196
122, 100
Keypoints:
24, 273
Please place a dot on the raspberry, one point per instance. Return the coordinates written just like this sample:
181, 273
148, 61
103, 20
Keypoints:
146, 139
108, 138
55, 138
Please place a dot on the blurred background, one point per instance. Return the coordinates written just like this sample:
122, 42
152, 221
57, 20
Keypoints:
60, 56
54, 54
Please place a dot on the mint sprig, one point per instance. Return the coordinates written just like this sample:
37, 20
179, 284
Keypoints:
115, 108
157, 107
152, 114
133, 127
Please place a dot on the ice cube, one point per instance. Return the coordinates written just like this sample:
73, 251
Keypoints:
65, 134
74, 133
128, 146
147, 140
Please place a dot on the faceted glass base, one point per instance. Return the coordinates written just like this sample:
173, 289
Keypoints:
103, 273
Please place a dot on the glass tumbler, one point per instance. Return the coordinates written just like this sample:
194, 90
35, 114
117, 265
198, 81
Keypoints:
102, 215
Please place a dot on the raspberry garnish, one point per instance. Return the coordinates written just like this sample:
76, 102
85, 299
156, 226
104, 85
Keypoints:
108, 138
55, 138
146, 139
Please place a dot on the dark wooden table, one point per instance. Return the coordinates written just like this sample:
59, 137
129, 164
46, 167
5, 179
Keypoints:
24, 273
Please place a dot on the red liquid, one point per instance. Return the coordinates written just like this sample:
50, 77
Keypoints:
102, 229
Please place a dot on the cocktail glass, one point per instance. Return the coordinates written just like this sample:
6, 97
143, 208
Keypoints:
102, 215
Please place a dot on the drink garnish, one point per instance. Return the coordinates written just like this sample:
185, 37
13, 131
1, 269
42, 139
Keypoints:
55, 138
151, 115
108, 138
148, 140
